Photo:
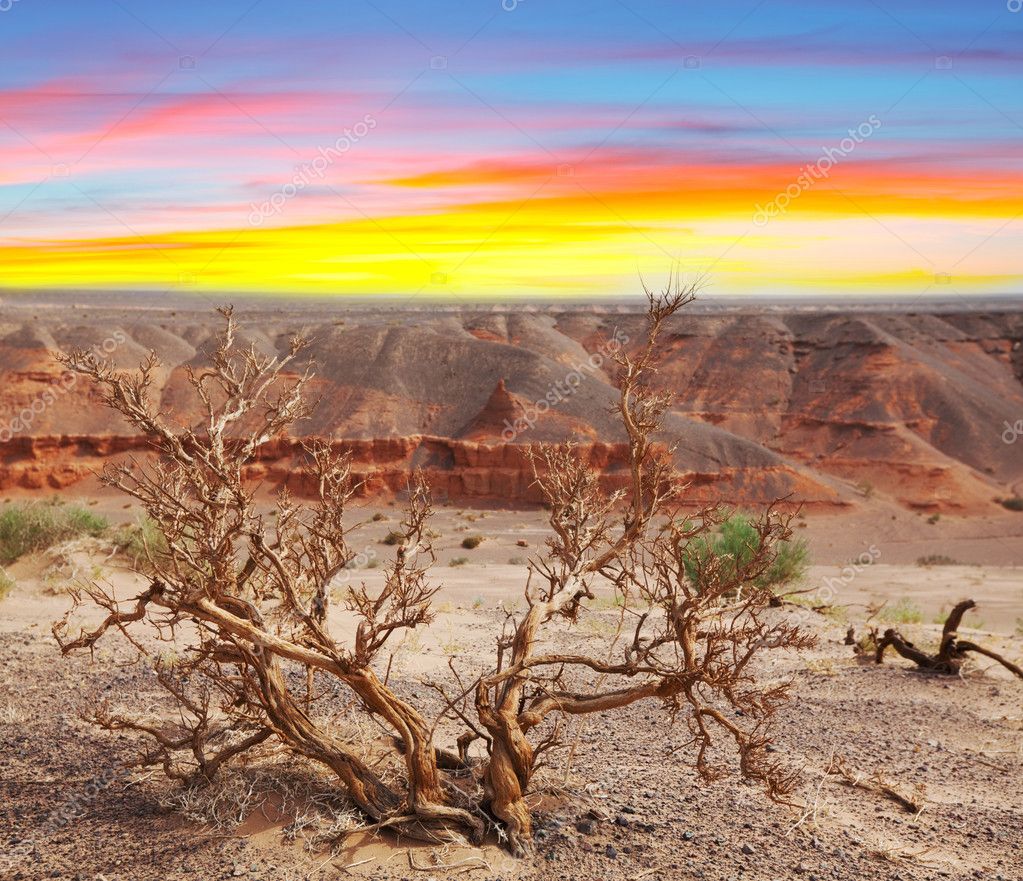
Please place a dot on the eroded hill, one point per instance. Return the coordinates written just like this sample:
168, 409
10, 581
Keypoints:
830, 407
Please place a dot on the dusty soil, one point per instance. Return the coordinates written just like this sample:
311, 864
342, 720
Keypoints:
629, 806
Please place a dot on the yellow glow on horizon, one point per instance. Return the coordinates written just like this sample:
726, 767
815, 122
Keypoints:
559, 246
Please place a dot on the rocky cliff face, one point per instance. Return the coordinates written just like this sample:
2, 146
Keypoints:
827, 407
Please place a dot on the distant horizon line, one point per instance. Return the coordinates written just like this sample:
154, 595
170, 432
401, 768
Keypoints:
412, 301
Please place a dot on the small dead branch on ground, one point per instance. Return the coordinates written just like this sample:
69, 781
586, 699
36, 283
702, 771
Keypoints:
951, 652
876, 782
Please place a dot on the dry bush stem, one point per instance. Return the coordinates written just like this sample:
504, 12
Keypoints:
257, 592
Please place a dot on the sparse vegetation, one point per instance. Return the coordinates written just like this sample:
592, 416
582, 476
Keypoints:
261, 664
934, 518
451, 645
458, 561
26, 527
140, 541
517, 561
471, 542
1015, 503
937, 560
902, 611
736, 542
6, 584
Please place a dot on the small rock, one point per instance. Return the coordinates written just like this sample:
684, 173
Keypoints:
585, 826
610, 852
747, 849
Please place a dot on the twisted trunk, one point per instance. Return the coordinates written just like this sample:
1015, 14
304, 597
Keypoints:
506, 778
510, 766
291, 724
426, 797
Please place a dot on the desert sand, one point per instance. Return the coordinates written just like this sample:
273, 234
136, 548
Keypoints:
956, 744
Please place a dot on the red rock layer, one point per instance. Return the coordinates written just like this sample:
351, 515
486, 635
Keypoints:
456, 469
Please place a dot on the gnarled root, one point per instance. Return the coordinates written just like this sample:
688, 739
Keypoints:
951, 653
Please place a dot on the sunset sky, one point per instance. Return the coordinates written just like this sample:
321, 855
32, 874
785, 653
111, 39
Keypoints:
530, 148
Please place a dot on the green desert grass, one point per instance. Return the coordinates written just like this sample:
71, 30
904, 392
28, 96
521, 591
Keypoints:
736, 540
902, 611
26, 527
6, 584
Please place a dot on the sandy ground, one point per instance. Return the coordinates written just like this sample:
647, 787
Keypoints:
642, 815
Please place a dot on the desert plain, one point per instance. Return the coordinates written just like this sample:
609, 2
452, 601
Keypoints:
890, 430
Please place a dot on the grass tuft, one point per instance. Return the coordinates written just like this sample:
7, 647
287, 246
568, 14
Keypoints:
134, 541
737, 541
35, 526
902, 611
937, 560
